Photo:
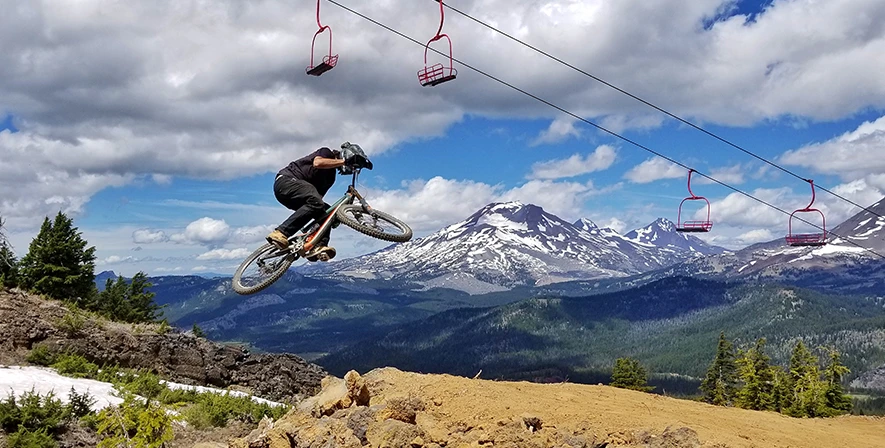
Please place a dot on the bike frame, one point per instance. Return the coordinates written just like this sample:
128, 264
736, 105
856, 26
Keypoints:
308, 236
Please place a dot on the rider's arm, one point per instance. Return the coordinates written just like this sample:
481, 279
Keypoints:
325, 163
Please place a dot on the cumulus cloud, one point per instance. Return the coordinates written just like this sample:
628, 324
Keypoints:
739, 210
616, 224
732, 175
756, 236
601, 159
560, 129
854, 154
207, 231
225, 254
438, 202
654, 169
148, 236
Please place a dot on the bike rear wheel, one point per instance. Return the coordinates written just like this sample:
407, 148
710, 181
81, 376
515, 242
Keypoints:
261, 269
374, 223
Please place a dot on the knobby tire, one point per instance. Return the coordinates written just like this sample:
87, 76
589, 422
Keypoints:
267, 248
405, 231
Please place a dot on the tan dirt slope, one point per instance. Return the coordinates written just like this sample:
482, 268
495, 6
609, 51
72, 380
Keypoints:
443, 410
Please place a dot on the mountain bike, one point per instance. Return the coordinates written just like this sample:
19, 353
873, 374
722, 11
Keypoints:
268, 263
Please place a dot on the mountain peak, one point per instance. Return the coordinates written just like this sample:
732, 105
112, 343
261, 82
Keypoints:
585, 224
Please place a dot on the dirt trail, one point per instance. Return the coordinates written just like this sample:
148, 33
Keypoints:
462, 412
607, 410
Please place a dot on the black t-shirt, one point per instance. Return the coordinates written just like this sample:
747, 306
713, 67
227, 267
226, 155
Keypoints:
303, 169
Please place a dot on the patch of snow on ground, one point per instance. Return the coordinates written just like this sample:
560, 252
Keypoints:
501, 222
21, 379
863, 223
879, 227
834, 249
42, 380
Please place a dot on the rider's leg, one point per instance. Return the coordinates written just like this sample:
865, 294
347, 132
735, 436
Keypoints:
300, 196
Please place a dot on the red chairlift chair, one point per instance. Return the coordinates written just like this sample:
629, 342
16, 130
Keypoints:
807, 239
329, 61
437, 73
693, 226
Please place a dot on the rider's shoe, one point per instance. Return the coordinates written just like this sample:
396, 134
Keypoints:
320, 253
278, 238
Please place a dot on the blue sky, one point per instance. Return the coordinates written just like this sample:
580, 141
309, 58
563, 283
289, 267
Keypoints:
165, 154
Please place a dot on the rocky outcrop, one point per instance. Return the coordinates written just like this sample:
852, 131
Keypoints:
27, 320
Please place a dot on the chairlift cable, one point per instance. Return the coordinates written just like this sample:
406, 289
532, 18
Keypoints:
597, 126
658, 108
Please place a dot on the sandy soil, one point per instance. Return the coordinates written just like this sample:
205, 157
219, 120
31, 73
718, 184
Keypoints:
606, 412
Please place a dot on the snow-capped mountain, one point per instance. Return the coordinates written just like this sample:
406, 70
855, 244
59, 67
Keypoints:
840, 264
505, 245
662, 233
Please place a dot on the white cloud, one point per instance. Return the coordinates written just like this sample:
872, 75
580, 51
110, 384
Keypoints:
207, 231
654, 169
167, 269
601, 159
148, 236
854, 154
116, 259
225, 254
732, 175
560, 129
756, 236
438, 202
161, 179
616, 224
200, 268
434, 203
739, 210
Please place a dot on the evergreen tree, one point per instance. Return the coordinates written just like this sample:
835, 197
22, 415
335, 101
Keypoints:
837, 402
807, 398
629, 374
58, 263
128, 302
720, 384
757, 376
141, 301
8, 263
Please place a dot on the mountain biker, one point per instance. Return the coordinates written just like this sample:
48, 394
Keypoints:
300, 186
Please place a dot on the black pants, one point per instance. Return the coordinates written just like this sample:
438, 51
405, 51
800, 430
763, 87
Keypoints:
302, 197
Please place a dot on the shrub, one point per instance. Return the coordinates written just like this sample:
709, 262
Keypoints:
41, 355
134, 423
75, 366
24, 438
72, 324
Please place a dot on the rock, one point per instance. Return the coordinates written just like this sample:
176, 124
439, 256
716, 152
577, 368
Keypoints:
391, 434
404, 409
532, 423
678, 438
357, 391
210, 445
27, 320
331, 398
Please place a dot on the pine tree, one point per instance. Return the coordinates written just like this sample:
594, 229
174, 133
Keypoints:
58, 263
128, 302
629, 374
141, 301
720, 384
807, 398
8, 263
837, 402
757, 391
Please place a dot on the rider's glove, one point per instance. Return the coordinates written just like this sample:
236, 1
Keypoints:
358, 161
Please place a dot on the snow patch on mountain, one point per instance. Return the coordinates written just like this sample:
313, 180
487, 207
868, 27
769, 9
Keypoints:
511, 244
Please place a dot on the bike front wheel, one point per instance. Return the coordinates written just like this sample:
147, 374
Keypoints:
374, 223
261, 269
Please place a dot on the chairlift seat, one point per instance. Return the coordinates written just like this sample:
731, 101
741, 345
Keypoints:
435, 75
695, 226
807, 239
328, 63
